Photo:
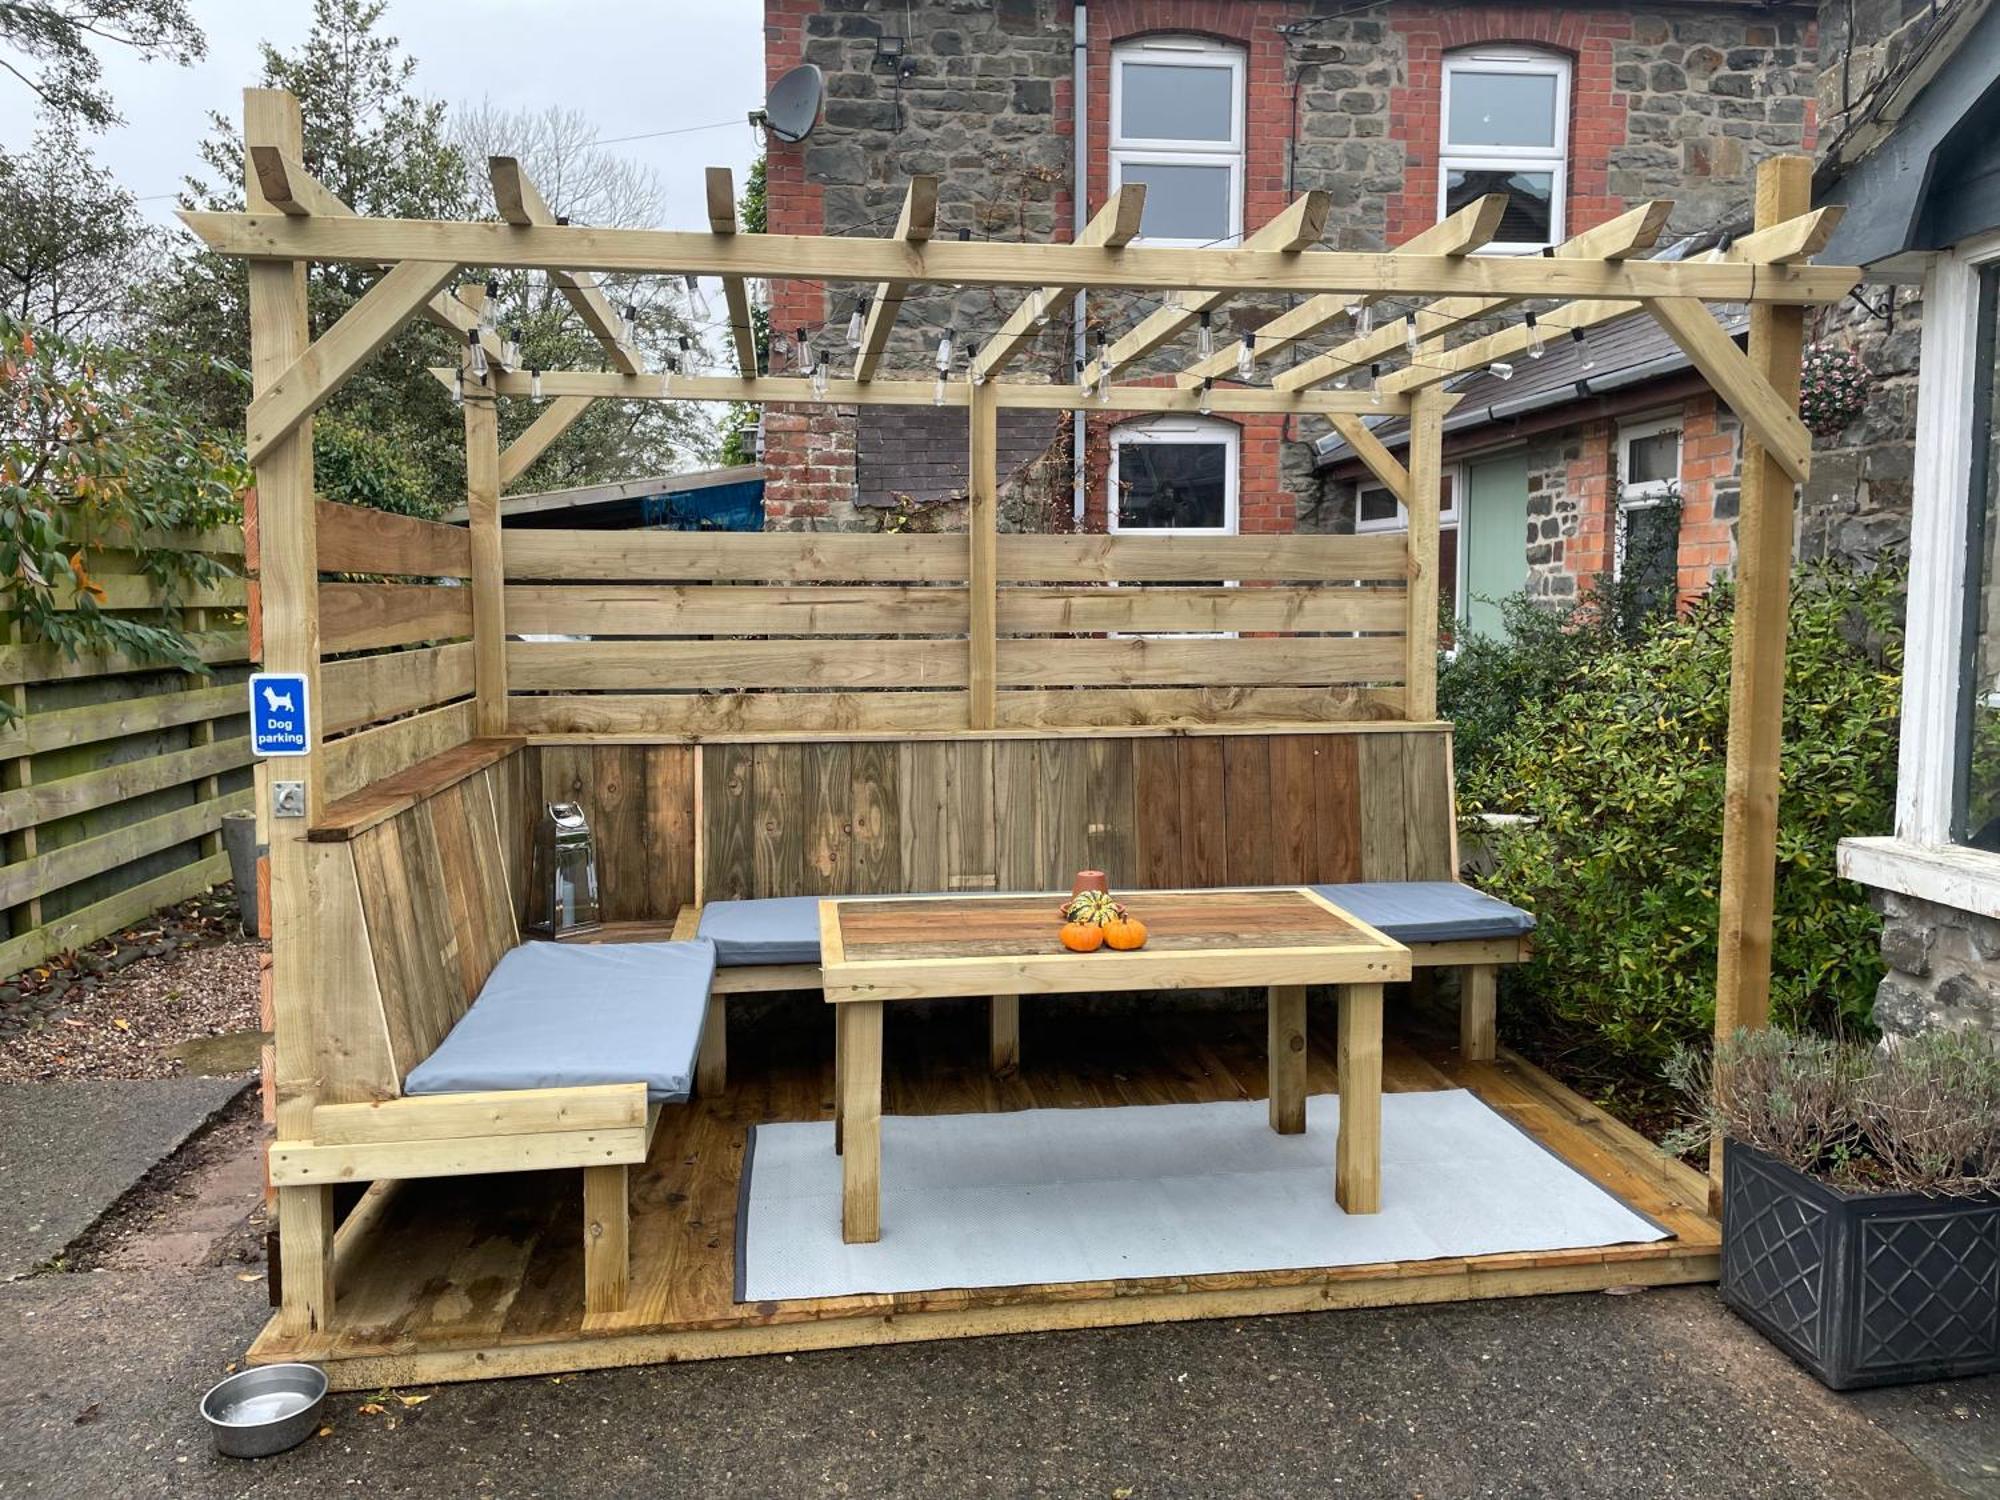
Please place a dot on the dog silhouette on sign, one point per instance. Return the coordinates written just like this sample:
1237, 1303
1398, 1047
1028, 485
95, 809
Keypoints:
273, 700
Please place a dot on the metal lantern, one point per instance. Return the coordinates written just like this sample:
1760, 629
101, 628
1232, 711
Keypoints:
565, 873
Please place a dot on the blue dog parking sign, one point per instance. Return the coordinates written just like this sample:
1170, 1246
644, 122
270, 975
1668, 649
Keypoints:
279, 714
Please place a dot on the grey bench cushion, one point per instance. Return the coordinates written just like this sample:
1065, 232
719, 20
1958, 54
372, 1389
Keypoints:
556, 1015
1429, 911
774, 930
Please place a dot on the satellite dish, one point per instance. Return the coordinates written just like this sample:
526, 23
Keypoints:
793, 108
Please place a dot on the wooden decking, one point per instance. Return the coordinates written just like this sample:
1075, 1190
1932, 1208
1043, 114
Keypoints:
453, 1279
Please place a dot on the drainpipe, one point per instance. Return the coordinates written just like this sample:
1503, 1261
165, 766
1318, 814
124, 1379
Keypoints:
1080, 175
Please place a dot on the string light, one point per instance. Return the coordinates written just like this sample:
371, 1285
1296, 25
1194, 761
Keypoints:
1207, 402
510, 352
458, 389
1500, 370
667, 376
857, 322
1362, 315
1206, 340
489, 310
1375, 377
697, 298
1103, 370
1587, 361
1246, 358
534, 385
1413, 341
819, 377
476, 352
972, 370
631, 323
1536, 347
802, 352
943, 368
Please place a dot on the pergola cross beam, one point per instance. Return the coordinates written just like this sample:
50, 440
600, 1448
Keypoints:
1113, 227
1290, 233
521, 205
1614, 240
554, 421
1460, 234
914, 226
720, 185
1765, 414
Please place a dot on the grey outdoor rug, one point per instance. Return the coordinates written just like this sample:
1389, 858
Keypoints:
1154, 1190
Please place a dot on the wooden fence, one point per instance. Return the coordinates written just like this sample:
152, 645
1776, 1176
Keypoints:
114, 775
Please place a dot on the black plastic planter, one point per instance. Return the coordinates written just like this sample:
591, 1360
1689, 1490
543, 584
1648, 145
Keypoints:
1861, 1288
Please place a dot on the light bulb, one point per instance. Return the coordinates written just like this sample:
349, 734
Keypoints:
631, 323
972, 371
1363, 314
510, 352
1340, 381
476, 352
489, 310
687, 353
857, 321
1501, 370
1206, 340
1207, 402
944, 354
937, 391
802, 353
1536, 347
1375, 376
1038, 310
534, 385
1103, 383
1412, 340
458, 390
819, 378
1586, 361
667, 378
1246, 358
697, 298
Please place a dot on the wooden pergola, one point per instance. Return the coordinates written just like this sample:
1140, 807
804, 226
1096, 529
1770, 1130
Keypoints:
941, 638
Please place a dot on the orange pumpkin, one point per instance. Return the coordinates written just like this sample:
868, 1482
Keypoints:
1125, 934
1081, 937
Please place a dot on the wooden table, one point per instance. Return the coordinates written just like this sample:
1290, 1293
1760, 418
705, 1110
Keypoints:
874, 950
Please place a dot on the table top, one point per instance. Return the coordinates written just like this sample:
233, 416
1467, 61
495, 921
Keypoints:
913, 947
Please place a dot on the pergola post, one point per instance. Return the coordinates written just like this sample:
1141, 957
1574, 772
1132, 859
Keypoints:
1757, 660
983, 561
288, 595
482, 510
1423, 507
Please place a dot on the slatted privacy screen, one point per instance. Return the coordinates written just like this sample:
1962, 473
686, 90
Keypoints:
395, 624
115, 772
706, 633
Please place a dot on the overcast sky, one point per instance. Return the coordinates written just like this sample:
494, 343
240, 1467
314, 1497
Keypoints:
634, 67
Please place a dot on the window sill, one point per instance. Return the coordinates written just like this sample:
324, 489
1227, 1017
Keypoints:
1963, 879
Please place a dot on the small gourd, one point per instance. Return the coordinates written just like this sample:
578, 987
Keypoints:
1125, 933
1082, 937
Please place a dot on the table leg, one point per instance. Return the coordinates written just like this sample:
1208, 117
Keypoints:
1285, 1032
1476, 1039
1004, 1025
1357, 1172
861, 1115
839, 1074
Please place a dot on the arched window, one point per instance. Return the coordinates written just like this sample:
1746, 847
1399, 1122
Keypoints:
1177, 126
1506, 130
1174, 474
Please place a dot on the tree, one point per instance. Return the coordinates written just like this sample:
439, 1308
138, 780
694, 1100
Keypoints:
382, 149
96, 456
52, 44
585, 183
72, 242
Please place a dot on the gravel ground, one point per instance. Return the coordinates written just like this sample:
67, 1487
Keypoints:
116, 1010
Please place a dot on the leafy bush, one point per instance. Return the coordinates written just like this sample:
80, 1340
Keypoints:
361, 467
1922, 1117
1622, 769
95, 457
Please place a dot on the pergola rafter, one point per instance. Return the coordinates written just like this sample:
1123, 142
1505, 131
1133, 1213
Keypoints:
1113, 227
521, 205
721, 189
914, 226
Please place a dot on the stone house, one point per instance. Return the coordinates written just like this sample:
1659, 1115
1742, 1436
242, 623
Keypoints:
1402, 110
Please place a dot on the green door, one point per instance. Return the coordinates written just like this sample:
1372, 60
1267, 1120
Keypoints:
1493, 537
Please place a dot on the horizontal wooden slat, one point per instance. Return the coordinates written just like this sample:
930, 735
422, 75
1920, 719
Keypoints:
364, 689
694, 715
1187, 559
1193, 708
504, 1112
1169, 661
296, 1162
370, 616
223, 541
569, 666
1024, 610
110, 914
750, 557
32, 733
49, 800
668, 609
137, 591
47, 663
87, 857
396, 792
354, 761
359, 539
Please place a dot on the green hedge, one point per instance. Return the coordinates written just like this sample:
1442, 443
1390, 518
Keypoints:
1622, 764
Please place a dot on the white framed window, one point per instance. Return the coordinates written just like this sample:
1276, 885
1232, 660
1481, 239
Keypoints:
1649, 487
1174, 476
1506, 130
1177, 126
1375, 509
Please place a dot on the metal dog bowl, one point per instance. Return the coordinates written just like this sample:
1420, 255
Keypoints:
256, 1413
